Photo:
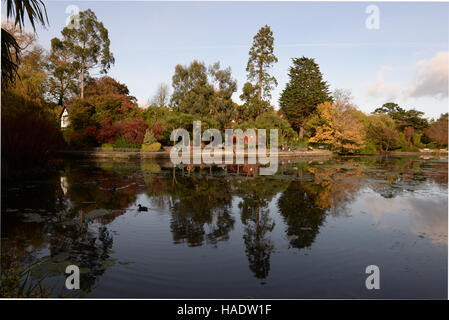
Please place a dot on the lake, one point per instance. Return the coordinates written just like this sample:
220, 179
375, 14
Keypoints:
309, 231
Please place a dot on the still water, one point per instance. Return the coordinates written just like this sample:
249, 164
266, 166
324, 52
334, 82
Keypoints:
224, 232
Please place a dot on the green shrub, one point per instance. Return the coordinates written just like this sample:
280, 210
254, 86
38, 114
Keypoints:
107, 147
417, 140
301, 143
432, 145
122, 143
410, 149
370, 148
403, 143
152, 147
149, 137
405, 147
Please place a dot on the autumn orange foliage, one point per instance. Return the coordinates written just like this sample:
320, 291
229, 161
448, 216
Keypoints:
438, 132
338, 127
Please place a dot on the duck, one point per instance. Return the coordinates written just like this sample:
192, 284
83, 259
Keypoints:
142, 208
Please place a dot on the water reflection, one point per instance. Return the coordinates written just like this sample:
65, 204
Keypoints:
66, 218
200, 210
302, 215
255, 195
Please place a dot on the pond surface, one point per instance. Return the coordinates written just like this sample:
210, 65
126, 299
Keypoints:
223, 232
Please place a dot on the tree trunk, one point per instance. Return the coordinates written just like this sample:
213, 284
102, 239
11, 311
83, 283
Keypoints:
301, 131
82, 80
260, 83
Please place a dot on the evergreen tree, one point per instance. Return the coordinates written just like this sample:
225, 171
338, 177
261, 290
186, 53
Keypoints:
261, 58
251, 108
403, 118
305, 91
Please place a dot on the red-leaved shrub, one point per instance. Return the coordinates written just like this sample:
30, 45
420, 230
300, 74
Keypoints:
90, 131
157, 129
107, 132
134, 130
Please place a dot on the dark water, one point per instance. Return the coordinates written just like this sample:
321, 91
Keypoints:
307, 232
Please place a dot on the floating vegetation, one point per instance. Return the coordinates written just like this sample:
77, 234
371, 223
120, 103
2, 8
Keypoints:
97, 213
33, 217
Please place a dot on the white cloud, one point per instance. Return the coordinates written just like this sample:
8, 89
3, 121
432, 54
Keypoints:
430, 80
425, 216
431, 77
381, 88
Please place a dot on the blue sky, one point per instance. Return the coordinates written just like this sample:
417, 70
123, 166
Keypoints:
405, 60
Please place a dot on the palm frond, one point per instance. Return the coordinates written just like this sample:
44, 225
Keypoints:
10, 58
18, 10
34, 9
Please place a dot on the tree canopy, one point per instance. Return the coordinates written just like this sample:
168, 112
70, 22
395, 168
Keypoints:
338, 126
204, 92
61, 73
303, 93
438, 130
261, 58
88, 43
381, 130
402, 117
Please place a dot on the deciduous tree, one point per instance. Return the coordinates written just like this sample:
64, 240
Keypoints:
408, 133
62, 76
381, 130
204, 92
107, 132
162, 95
338, 127
134, 130
438, 131
88, 42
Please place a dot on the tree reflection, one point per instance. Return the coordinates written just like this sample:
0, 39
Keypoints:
301, 213
256, 194
335, 186
54, 225
200, 211
259, 245
65, 217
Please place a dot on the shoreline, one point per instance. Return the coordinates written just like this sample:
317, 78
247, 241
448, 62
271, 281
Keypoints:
281, 154
166, 154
